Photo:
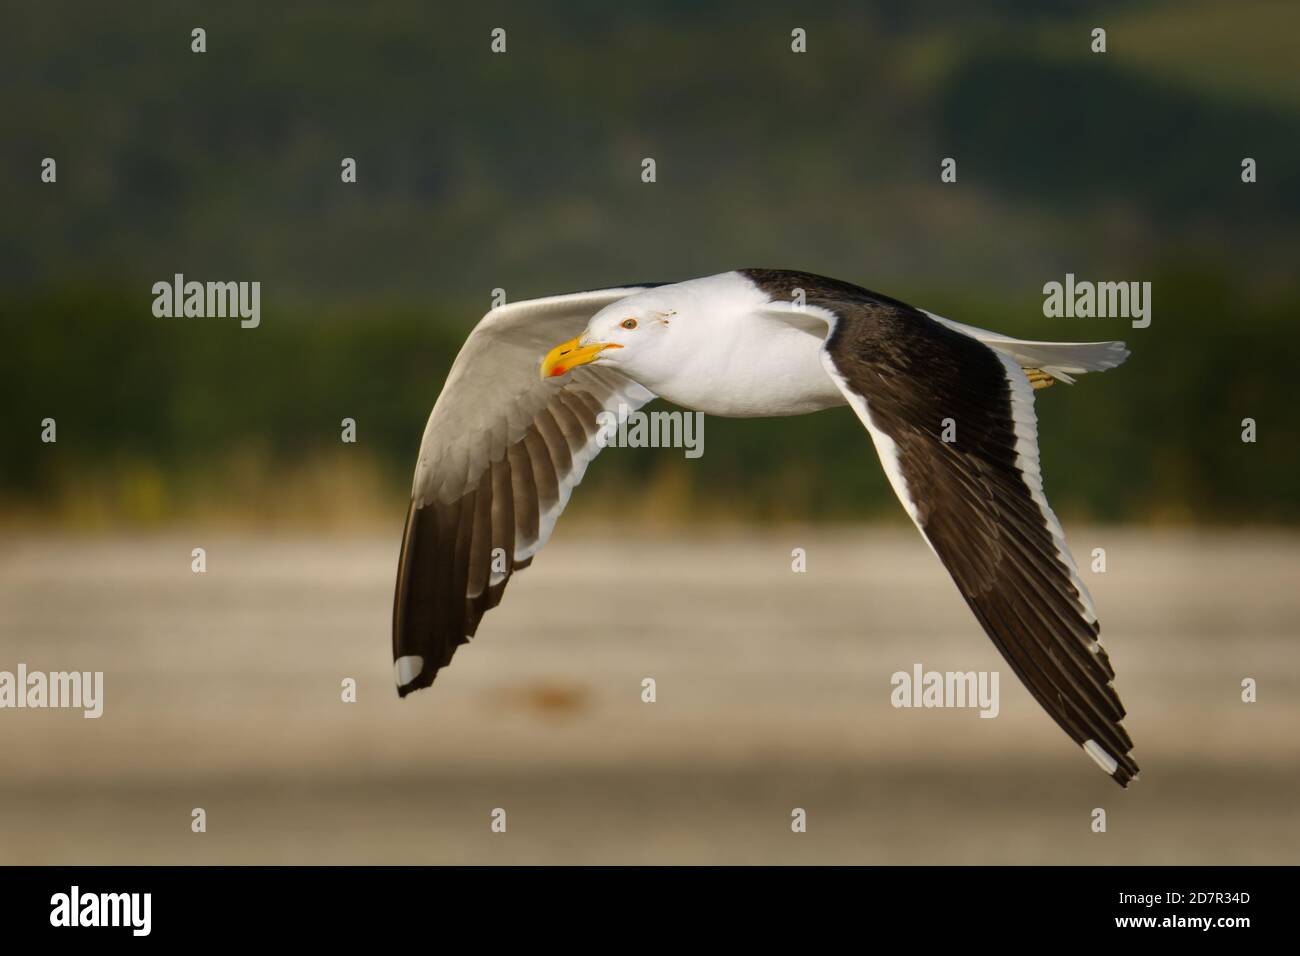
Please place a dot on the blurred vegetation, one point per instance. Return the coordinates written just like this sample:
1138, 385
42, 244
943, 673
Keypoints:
522, 171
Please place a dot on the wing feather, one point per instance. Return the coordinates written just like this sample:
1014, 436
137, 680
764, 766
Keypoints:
501, 454
978, 500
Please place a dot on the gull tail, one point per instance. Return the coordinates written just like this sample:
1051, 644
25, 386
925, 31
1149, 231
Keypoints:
1060, 360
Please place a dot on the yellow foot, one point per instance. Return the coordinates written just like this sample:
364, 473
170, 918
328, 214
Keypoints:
1038, 378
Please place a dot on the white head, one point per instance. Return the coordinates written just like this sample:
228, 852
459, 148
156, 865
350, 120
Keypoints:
638, 335
654, 336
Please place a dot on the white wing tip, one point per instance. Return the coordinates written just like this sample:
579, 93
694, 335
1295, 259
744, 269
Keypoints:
1104, 760
407, 669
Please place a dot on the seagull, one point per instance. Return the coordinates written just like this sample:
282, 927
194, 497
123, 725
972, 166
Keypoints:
949, 408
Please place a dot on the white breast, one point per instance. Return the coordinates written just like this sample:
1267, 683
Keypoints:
752, 366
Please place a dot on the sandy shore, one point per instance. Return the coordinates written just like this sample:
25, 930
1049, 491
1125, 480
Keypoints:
223, 691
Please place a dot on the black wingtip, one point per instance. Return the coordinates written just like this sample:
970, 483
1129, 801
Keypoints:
1126, 773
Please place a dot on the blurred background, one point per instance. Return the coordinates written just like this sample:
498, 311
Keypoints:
522, 171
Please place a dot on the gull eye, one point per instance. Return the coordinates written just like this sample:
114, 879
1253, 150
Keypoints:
628, 323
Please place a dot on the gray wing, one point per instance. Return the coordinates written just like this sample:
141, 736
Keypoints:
501, 454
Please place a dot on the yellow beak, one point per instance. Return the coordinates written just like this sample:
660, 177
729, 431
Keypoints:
569, 355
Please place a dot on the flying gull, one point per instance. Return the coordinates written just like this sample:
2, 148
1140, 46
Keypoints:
516, 426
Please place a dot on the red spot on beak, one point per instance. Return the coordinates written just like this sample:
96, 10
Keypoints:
558, 370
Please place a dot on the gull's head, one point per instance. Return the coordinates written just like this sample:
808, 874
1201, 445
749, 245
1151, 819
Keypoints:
623, 335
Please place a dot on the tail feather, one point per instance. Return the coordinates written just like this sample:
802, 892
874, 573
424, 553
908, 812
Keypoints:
1061, 360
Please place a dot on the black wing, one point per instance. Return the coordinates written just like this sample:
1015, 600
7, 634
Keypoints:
978, 497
